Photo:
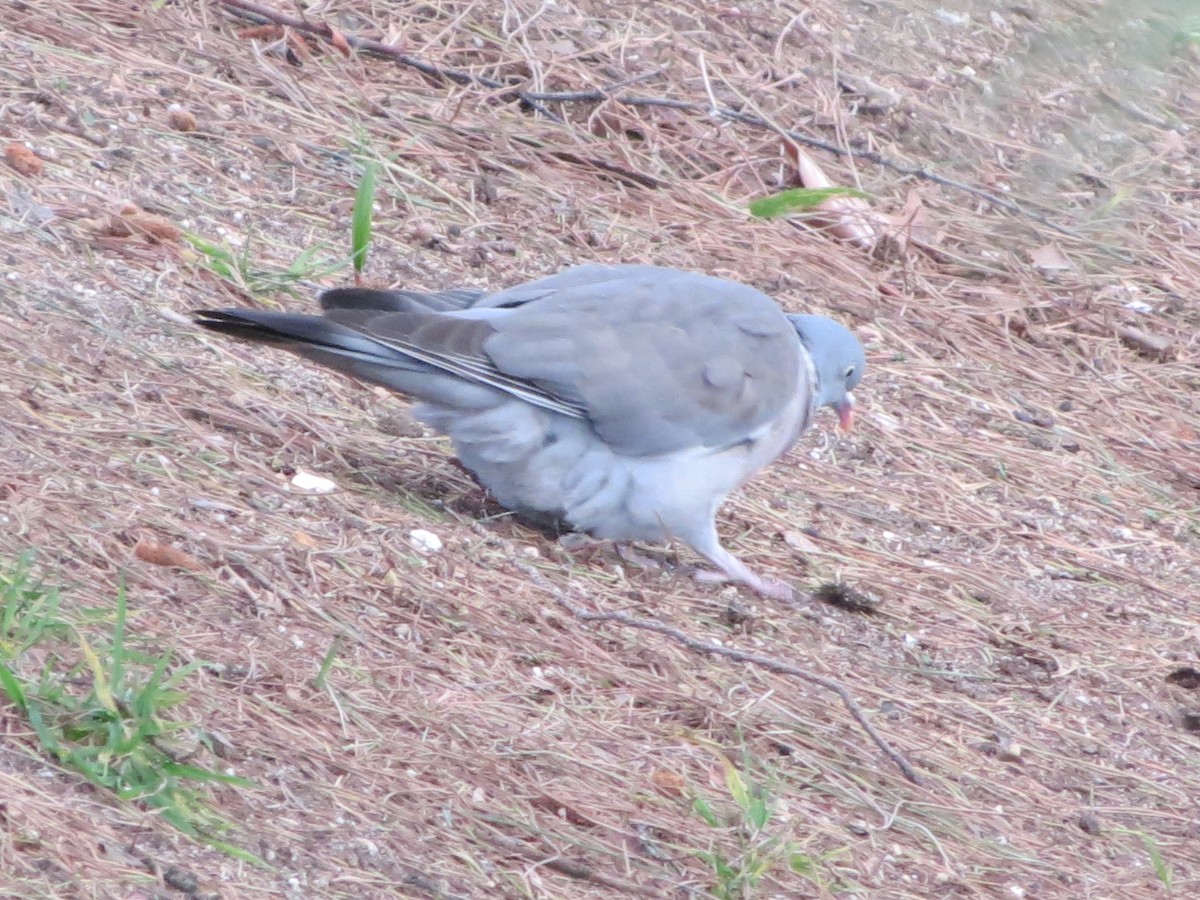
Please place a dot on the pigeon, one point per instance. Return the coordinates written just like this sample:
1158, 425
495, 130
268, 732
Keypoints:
625, 400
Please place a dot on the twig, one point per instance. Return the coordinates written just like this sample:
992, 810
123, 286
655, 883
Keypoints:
817, 144
536, 100
580, 871
621, 172
763, 662
256, 12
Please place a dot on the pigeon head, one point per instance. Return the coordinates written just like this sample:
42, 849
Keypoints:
839, 360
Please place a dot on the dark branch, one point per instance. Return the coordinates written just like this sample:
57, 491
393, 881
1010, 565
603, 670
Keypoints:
536, 100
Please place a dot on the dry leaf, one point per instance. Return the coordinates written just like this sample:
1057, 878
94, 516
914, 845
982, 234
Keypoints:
165, 555
913, 224
22, 159
668, 783
261, 32
1182, 431
298, 45
339, 42
133, 220
304, 541
799, 541
1049, 258
848, 218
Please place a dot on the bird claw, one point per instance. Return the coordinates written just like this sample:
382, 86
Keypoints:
711, 576
769, 588
775, 590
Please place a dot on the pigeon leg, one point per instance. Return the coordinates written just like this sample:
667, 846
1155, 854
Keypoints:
737, 570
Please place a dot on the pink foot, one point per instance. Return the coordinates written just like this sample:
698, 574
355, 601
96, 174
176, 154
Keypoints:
764, 587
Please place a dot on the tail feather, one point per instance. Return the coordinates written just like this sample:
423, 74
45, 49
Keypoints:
299, 333
348, 351
399, 301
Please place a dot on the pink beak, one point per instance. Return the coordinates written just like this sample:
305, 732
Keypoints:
845, 411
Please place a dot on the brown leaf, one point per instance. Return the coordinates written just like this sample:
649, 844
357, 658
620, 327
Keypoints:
133, 220
913, 224
562, 810
668, 783
298, 45
811, 175
261, 32
157, 554
848, 218
339, 42
1185, 677
304, 541
845, 597
22, 159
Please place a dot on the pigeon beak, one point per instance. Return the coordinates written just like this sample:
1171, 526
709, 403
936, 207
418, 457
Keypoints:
845, 411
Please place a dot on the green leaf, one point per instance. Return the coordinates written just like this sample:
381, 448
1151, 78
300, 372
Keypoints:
116, 676
197, 773
364, 201
179, 820
12, 687
214, 252
802, 864
737, 788
1161, 869
101, 683
237, 853
108, 732
798, 200
759, 812
327, 663
705, 811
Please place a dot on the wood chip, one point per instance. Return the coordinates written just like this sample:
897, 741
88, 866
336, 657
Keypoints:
1149, 345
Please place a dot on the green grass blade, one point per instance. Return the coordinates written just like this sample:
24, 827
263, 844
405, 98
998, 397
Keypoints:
705, 811
798, 200
237, 853
327, 663
196, 773
1161, 868
117, 673
364, 202
12, 687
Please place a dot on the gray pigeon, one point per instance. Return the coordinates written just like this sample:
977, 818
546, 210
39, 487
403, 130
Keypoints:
625, 400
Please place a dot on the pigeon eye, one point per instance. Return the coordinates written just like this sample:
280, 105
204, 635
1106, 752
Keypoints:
849, 373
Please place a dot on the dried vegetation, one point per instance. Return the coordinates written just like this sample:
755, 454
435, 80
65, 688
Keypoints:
1019, 505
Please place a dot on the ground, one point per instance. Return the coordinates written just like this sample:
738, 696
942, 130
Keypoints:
1019, 503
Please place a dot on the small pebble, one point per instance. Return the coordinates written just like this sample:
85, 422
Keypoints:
425, 541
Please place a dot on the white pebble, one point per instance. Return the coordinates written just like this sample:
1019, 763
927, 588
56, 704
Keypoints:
312, 484
425, 541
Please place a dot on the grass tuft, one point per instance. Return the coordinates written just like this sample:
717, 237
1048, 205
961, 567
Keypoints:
116, 733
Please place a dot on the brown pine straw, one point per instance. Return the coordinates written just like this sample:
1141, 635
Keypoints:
1019, 496
699, 646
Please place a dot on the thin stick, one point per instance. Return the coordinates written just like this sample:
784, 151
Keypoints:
536, 100
763, 662
257, 12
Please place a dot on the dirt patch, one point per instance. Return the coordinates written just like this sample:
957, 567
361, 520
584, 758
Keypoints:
1019, 503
